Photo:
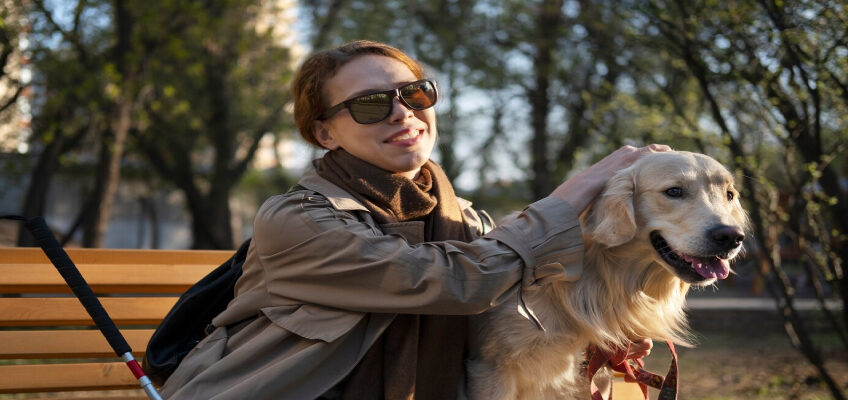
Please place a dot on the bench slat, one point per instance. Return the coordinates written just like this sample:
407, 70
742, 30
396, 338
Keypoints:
102, 395
90, 376
69, 311
65, 377
67, 343
34, 255
103, 278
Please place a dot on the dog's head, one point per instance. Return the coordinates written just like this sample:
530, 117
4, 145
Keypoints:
682, 205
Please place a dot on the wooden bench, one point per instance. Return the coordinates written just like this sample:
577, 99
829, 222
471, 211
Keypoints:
48, 343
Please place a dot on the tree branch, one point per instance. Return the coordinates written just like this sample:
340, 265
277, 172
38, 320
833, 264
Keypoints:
70, 37
12, 99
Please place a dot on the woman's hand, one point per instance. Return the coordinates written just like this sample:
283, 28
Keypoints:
582, 188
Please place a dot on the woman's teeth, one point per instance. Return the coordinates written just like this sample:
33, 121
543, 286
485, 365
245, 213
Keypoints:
405, 136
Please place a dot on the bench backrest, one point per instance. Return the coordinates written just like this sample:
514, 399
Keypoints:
48, 343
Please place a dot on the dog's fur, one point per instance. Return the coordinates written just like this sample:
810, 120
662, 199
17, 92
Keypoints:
627, 290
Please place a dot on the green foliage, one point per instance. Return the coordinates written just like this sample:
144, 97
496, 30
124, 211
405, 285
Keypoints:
214, 78
203, 81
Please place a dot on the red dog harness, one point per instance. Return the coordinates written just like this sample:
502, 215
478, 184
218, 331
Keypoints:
618, 361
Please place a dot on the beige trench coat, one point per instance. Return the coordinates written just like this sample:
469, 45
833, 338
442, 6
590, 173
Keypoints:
323, 280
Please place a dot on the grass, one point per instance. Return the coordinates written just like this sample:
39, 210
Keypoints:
752, 366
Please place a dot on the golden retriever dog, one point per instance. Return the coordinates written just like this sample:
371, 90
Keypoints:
670, 221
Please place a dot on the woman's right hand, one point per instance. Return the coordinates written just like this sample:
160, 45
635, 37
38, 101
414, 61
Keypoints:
581, 189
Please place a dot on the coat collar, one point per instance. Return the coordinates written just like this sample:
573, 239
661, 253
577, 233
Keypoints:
338, 197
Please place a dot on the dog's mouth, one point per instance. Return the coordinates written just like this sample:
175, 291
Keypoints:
691, 268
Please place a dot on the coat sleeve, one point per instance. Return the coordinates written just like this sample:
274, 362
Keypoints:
312, 253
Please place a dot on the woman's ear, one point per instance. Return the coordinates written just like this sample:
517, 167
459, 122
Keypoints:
612, 220
322, 134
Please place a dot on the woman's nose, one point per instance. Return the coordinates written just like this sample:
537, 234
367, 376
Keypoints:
400, 111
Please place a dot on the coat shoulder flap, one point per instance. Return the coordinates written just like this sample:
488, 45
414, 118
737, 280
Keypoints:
312, 321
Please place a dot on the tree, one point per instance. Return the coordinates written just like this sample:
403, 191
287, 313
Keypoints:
94, 97
121, 100
770, 79
217, 86
64, 95
190, 87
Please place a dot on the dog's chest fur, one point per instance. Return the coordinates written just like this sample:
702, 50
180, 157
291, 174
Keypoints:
523, 362
515, 360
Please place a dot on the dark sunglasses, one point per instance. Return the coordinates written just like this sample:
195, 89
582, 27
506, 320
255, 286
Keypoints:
375, 107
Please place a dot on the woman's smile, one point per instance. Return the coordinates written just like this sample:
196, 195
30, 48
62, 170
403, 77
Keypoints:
406, 137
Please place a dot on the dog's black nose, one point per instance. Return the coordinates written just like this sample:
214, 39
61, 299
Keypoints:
726, 237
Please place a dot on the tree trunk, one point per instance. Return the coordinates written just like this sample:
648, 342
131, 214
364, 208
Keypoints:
548, 21
115, 137
148, 216
154, 222
211, 223
830, 185
213, 227
35, 200
210, 213
106, 184
447, 136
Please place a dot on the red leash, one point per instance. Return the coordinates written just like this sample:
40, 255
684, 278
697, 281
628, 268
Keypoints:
617, 360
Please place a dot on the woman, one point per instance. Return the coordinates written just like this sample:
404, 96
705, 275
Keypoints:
358, 281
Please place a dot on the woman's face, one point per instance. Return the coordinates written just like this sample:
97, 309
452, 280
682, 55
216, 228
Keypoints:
402, 142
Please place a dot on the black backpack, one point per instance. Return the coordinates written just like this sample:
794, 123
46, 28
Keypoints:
189, 321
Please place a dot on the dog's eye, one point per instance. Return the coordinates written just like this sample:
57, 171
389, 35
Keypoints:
730, 195
674, 192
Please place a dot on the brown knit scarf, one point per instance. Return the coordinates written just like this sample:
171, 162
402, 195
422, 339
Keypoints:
418, 356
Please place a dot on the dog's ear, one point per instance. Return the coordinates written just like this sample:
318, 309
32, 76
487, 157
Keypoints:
612, 221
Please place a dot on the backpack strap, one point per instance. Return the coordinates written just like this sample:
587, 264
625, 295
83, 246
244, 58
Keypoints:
296, 188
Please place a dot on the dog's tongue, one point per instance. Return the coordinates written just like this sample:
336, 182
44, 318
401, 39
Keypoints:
712, 267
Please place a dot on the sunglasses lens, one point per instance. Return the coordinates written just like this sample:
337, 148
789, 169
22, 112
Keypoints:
371, 108
419, 95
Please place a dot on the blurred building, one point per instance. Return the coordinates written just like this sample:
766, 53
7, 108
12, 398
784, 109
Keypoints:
279, 17
15, 120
